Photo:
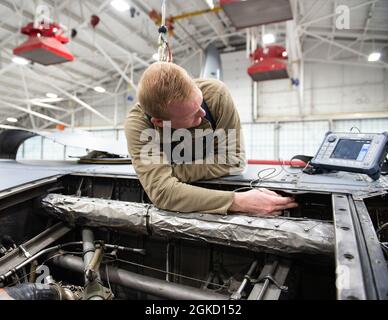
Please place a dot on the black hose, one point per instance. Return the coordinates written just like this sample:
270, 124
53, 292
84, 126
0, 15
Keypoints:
30, 291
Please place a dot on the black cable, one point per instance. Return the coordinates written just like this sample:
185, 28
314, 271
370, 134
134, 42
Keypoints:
354, 127
381, 228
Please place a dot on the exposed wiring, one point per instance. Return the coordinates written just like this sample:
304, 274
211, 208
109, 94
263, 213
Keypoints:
294, 167
165, 272
354, 127
115, 259
107, 277
384, 246
16, 269
44, 262
273, 173
381, 228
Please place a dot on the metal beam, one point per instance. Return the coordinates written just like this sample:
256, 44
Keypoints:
130, 62
70, 79
316, 45
311, 10
334, 43
98, 32
7, 68
12, 89
123, 22
34, 113
114, 64
34, 102
214, 27
76, 99
367, 21
7, 127
69, 113
362, 36
75, 111
305, 24
344, 62
146, 8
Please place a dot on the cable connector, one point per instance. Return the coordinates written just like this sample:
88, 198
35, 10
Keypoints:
162, 29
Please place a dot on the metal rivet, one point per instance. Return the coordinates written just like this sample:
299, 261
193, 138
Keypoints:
348, 256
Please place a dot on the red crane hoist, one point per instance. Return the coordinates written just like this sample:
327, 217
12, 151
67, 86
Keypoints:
270, 63
45, 44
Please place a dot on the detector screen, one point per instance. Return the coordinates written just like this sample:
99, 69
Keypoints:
351, 149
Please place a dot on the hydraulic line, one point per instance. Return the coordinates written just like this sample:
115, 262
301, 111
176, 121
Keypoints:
137, 282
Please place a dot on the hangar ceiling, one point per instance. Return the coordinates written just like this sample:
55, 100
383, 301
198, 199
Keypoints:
123, 43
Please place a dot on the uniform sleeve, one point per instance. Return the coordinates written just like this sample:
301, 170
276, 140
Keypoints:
227, 119
162, 187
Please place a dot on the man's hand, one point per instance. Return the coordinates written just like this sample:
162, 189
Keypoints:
261, 202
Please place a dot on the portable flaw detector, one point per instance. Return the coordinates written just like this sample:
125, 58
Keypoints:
352, 152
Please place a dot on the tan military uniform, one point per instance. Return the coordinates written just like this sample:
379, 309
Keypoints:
167, 184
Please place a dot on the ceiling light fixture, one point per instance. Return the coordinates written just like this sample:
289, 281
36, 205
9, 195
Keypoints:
21, 61
268, 38
120, 5
210, 3
99, 89
155, 56
51, 95
374, 56
13, 120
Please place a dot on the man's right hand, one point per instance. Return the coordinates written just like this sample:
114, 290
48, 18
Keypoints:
261, 202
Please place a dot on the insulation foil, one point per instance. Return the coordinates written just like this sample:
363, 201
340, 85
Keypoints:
277, 235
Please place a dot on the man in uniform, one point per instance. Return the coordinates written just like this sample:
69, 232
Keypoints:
169, 100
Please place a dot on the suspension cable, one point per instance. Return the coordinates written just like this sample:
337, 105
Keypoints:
164, 50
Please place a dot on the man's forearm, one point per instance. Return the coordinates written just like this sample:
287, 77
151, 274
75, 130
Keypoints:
237, 204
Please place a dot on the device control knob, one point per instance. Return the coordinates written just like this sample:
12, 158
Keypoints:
331, 139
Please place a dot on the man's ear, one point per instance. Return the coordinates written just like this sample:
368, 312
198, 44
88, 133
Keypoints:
157, 122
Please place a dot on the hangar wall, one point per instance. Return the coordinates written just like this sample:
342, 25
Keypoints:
328, 89
332, 93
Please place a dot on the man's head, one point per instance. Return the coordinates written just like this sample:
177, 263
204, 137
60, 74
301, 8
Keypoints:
167, 93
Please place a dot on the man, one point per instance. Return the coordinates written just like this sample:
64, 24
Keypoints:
170, 100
